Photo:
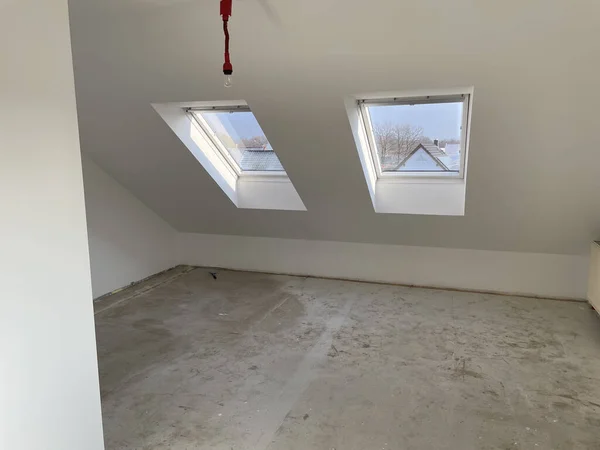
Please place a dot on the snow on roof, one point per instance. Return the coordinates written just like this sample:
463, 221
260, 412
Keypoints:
433, 150
452, 149
260, 160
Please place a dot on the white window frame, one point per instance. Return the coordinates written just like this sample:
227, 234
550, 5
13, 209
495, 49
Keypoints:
220, 150
400, 176
246, 190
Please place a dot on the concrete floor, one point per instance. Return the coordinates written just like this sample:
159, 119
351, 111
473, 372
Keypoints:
255, 361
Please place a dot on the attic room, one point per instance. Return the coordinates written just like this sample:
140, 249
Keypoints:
272, 224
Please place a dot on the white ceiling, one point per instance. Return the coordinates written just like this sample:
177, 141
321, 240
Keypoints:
534, 173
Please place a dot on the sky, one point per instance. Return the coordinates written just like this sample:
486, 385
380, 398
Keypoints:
238, 125
439, 121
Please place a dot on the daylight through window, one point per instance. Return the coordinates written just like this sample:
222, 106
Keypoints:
240, 139
419, 136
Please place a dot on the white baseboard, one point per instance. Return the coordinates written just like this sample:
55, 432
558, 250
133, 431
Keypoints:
537, 274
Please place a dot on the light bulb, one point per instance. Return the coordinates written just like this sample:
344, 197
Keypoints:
227, 80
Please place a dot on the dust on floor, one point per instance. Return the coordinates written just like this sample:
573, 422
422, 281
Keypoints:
255, 361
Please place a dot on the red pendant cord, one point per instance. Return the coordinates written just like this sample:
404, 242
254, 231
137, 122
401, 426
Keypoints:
225, 14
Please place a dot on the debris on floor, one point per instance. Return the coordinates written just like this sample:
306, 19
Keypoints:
428, 369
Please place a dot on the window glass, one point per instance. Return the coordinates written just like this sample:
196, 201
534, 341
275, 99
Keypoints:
242, 137
422, 137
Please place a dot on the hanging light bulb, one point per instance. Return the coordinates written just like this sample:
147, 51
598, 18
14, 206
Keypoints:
227, 67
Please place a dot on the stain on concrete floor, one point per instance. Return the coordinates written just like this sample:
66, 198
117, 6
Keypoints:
257, 361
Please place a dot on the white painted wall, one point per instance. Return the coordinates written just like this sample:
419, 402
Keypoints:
413, 196
49, 393
511, 272
533, 179
128, 241
273, 193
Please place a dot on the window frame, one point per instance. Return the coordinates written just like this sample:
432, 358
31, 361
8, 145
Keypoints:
220, 150
399, 176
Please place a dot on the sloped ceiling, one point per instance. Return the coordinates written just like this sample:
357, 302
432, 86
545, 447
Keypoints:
534, 173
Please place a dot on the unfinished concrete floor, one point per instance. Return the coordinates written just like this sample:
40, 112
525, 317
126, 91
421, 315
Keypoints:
255, 361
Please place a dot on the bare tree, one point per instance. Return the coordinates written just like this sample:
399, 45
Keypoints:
406, 138
384, 139
396, 141
255, 142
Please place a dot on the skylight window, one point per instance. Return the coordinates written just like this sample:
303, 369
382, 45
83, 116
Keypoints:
225, 138
413, 149
421, 136
238, 137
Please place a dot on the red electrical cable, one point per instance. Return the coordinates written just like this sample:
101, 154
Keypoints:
226, 31
227, 67
225, 14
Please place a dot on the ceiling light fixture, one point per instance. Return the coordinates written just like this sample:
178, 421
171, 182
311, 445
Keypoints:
227, 67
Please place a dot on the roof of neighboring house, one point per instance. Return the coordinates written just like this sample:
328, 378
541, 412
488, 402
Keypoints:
433, 150
452, 162
260, 160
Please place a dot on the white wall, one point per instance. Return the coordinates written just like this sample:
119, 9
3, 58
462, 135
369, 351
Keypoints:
507, 272
533, 163
49, 393
127, 240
